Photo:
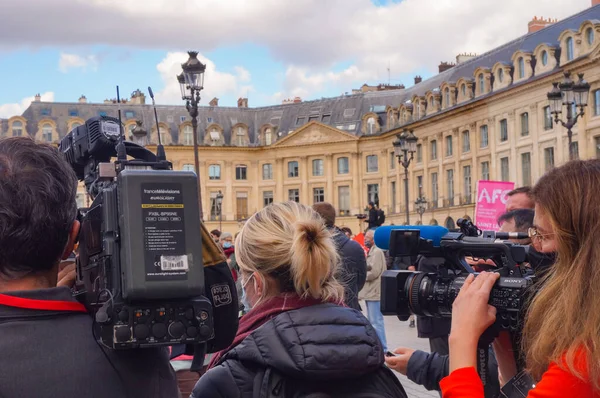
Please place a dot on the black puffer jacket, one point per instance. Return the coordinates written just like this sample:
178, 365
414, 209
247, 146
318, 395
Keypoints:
321, 342
353, 268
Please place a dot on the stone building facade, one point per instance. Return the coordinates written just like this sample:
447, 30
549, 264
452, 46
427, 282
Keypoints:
484, 118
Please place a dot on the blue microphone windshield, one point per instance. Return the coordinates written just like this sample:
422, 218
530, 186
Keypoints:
428, 232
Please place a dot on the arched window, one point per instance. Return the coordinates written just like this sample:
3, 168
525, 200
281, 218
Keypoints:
450, 223
163, 135
240, 136
480, 83
500, 75
47, 132
570, 49
544, 57
188, 135
589, 35
521, 68
214, 135
268, 136
371, 125
447, 97
17, 129
463, 90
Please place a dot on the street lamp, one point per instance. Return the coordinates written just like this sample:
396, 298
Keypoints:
405, 144
421, 204
570, 94
219, 199
191, 82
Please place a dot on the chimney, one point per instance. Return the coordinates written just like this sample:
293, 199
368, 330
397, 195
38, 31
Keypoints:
540, 23
444, 66
595, 2
138, 98
464, 57
38, 98
418, 79
214, 102
242, 102
297, 100
82, 99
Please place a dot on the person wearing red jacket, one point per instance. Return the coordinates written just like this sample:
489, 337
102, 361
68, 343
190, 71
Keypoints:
561, 340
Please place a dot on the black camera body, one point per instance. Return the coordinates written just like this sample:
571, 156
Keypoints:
139, 269
432, 294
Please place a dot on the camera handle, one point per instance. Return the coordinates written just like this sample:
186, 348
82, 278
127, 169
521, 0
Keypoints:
483, 355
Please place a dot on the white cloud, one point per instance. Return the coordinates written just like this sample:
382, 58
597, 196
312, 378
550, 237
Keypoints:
217, 83
74, 61
16, 109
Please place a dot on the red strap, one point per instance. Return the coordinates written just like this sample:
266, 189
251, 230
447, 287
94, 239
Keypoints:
46, 305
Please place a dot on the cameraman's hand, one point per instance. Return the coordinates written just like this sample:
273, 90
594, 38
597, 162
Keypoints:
471, 316
67, 276
400, 362
505, 355
412, 268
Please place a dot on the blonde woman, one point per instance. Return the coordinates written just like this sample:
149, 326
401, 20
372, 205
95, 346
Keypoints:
562, 326
297, 337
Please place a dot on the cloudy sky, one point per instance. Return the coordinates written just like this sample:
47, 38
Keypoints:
267, 50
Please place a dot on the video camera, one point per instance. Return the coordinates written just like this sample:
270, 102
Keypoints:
140, 266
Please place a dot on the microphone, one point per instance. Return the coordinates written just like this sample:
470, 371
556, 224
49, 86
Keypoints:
428, 232
160, 150
511, 235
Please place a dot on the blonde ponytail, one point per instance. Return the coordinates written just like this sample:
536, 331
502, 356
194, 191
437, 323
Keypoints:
289, 243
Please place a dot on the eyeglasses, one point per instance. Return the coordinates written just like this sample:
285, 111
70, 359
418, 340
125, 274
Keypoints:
535, 235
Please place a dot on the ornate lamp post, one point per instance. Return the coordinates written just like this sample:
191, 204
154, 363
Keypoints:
421, 204
405, 144
191, 82
571, 95
219, 199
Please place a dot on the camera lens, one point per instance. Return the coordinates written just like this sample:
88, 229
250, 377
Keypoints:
431, 295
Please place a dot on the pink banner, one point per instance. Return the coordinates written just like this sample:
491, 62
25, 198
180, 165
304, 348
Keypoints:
491, 203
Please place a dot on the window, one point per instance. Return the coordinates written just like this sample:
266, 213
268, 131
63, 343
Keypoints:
448, 145
267, 198
188, 167
241, 172
343, 166
293, 169
129, 114
524, 124
447, 97
241, 204
521, 68
317, 166
268, 136
597, 103
373, 193
526, 168
267, 171
372, 164
420, 183
318, 195
181, 119
326, 119
294, 195
17, 129
589, 35
45, 112
47, 132
214, 172
214, 135
73, 112
544, 57
503, 130
240, 136
433, 150
434, 188
102, 114
485, 171
419, 153
209, 120
392, 197
300, 121
344, 200
314, 118
504, 175
463, 90
483, 133
188, 135
214, 206
481, 84
548, 158
450, 187
500, 75
371, 125
351, 127
349, 112
575, 149
466, 141
163, 135
431, 102
547, 119
392, 161
467, 184
570, 49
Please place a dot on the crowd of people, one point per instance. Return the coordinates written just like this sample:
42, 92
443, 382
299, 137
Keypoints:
301, 281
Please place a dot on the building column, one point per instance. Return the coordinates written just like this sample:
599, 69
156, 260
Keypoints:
384, 197
228, 195
279, 175
458, 186
495, 173
304, 174
254, 200
537, 160
355, 198
329, 194
203, 190
516, 162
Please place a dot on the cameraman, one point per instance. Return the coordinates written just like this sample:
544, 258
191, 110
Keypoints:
561, 339
47, 342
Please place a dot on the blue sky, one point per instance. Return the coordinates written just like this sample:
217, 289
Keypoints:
267, 50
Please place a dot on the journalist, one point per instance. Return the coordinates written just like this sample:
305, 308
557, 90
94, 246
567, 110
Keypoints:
297, 337
561, 340
47, 345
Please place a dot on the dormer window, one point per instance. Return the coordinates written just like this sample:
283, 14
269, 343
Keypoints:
47, 132
521, 68
447, 97
570, 49
371, 125
544, 57
463, 90
481, 84
214, 135
268, 136
589, 36
500, 75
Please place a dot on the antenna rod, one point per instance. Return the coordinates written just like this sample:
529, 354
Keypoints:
121, 151
160, 150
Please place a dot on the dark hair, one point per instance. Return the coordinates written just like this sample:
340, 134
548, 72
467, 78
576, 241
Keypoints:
523, 218
327, 213
37, 206
346, 230
526, 190
216, 233
371, 204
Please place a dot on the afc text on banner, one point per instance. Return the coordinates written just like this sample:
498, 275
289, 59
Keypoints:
491, 203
